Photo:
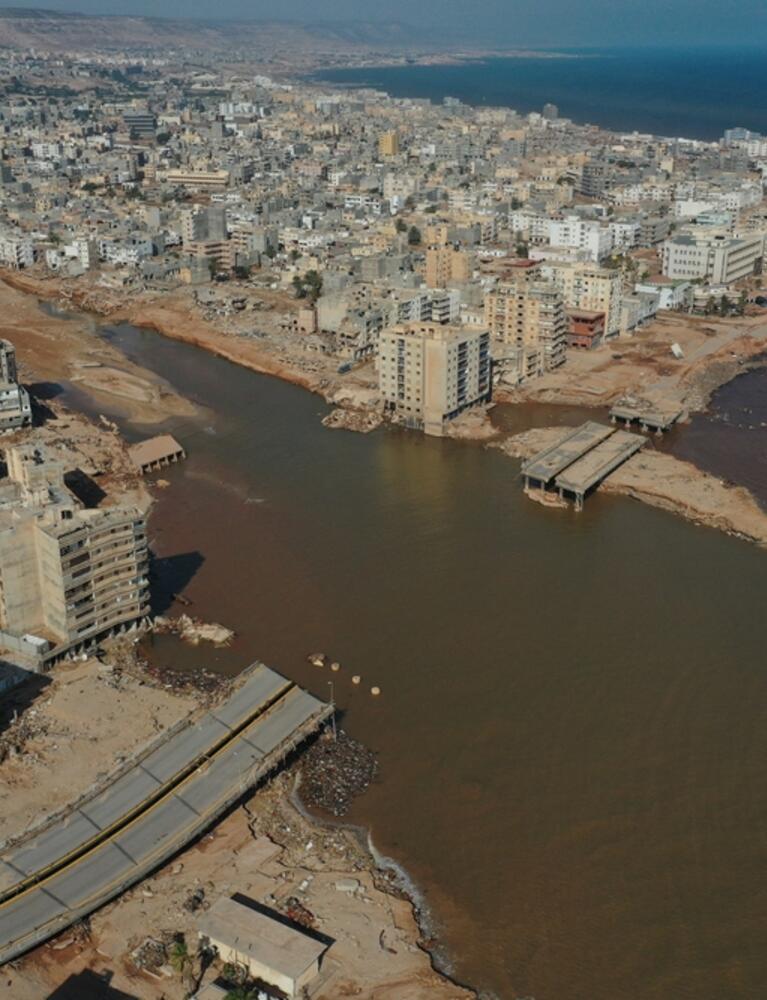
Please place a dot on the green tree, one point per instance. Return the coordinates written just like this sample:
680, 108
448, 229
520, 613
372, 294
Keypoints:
400, 225
724, 306
522, 249
414, 236
710, 306
179, 954
742, 301
313, 284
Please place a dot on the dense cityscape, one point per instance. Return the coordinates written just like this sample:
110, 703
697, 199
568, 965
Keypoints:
417, 265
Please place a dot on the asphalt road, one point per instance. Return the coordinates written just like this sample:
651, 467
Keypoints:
84, 877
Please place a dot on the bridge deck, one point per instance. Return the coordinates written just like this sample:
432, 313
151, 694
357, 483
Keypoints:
599, 462
135, 848
547, 464
143, 780
657, 418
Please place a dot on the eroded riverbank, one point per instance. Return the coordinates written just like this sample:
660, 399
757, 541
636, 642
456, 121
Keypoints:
715, 352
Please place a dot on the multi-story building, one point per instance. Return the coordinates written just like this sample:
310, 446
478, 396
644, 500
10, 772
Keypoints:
579, 234
584, 286
428, 373
8, 368
15, 404
528, 312
446, 266
718, 259
68, 576
388, 144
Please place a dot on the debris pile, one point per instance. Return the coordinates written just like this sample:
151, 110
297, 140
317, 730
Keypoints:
335, 771
151, 954
193, 631
22, 730
362, 421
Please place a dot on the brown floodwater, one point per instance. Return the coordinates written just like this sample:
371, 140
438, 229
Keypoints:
572, 728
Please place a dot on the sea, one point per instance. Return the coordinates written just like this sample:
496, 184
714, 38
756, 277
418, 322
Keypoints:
694, 93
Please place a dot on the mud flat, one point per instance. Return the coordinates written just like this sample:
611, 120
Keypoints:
53, 349
660, 480
73, 727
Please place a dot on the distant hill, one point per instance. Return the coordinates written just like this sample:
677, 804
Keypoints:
23, 28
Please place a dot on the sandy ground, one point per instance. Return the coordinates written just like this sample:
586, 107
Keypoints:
265, 849
663, 481
254, 338
76, 737
51, 349
374, 954
643, 365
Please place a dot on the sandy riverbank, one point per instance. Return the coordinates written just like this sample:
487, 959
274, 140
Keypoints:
255, 339
52, 350
643, 366
663, 481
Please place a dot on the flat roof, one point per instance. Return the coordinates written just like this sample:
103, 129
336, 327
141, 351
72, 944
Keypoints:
154, 449
597, 463
551, 461
265, 939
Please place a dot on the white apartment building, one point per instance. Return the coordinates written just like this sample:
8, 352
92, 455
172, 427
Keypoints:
579, 234
626, 235
720, 260
429, 373
15, 406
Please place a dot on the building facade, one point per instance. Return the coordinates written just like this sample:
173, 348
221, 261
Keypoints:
429, 373
68, 575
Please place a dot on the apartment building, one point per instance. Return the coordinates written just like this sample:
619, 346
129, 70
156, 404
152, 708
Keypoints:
15, 404
718, 259
429, 373
388, 144
446, 266
583, 286
8, 367
528, 312
580, 234
68, 576
204, 179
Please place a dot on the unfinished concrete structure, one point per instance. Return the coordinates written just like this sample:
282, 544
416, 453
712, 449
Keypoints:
68, 576
581, 460
156, 452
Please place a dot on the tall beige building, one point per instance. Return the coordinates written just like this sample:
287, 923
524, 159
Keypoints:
527, 313
585, 286
68, 576
429, 373
388, 144
446, 266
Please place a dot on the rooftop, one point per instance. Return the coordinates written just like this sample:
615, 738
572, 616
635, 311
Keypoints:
267, 940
